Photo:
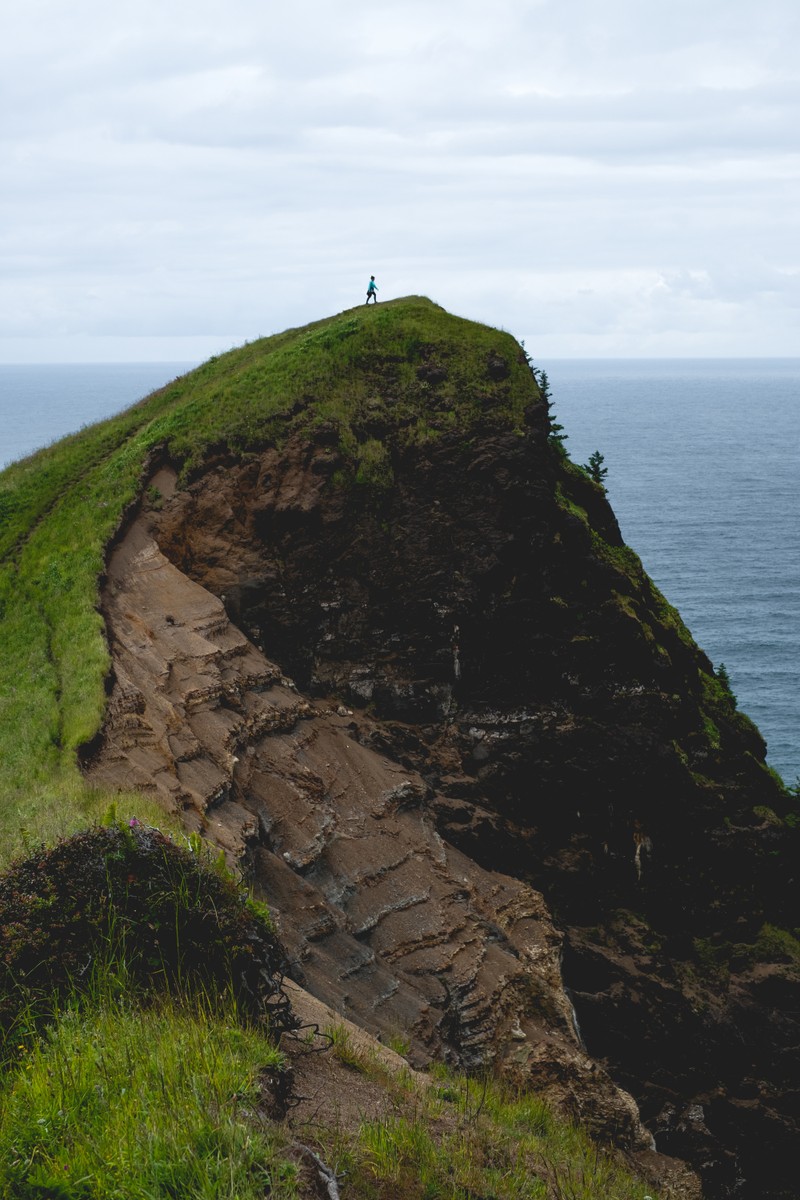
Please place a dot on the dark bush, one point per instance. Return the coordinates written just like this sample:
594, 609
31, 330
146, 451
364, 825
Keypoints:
128, 902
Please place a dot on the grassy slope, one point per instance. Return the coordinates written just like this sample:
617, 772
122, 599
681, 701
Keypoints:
130, 1032
138, 1103
60, 507
166, 1101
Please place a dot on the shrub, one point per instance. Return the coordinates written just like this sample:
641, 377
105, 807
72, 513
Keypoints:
127, 903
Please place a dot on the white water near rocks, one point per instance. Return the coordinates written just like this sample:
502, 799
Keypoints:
703, 475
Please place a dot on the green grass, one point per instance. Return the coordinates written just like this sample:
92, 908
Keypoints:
62, 805
166, 1101
135, 1027
139, 991
457, 1137
346, 1051
468, 1138
157, 1102
354, 374
123, 909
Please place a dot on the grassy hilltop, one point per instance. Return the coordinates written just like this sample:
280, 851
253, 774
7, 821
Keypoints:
128, 1069
60, 507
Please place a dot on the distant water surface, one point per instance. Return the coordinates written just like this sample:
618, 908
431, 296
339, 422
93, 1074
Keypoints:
39, 404
703, 459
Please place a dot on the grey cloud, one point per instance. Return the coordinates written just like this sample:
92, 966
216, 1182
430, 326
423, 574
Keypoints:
181, 169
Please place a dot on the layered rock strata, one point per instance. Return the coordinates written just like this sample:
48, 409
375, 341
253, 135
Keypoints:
528, 715
385, 920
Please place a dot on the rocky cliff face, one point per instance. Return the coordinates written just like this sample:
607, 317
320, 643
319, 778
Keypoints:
440, 713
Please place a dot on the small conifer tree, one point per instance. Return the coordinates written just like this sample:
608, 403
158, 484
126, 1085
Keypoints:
595, 470
725, 682
555, 431
556, 435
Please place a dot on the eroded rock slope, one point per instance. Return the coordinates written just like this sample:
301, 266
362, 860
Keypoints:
490, 701
385, 920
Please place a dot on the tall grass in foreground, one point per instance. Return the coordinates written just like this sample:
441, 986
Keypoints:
513, 1150
139, 989
128, 905
159, 1102
462, 1138
163, 1102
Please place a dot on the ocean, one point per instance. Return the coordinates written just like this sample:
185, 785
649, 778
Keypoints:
702, 459
40, 404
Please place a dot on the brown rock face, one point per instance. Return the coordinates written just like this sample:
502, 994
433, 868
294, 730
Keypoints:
490, 701
384, 920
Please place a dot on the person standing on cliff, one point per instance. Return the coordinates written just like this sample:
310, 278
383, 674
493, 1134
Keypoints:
372, 290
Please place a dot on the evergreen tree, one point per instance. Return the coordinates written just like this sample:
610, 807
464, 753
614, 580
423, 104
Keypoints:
555, 431
725, 682
595, 469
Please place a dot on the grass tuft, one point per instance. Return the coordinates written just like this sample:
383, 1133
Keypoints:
158, 1102
468, 1138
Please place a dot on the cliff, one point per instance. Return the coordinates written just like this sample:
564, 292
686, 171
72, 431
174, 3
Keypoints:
372, 633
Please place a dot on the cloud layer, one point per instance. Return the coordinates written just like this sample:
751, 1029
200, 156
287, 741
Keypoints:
601, 179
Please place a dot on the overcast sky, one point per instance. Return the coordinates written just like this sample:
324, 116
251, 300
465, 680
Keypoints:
600, 177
